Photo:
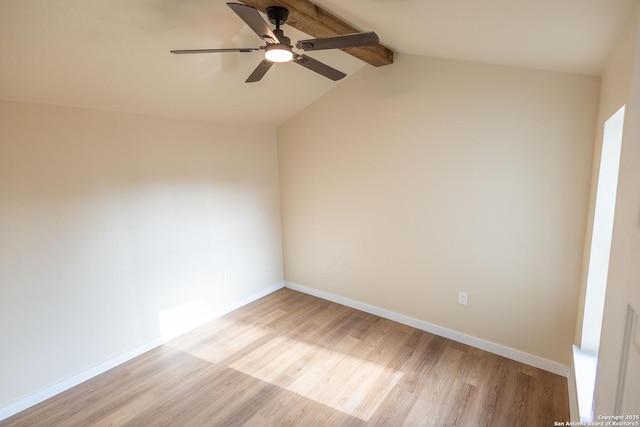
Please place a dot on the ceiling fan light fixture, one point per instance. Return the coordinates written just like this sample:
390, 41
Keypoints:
278, 47
278, 52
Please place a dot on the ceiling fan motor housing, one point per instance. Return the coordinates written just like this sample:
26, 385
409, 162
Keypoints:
277, 15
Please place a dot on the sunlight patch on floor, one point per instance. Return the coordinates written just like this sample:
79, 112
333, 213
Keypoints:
348, 384
216, 342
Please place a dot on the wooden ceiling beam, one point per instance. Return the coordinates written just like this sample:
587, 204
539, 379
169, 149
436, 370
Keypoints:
317, 22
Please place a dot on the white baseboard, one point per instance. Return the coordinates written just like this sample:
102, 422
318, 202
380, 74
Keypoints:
538, 362
48, 392
510, 353
42, 395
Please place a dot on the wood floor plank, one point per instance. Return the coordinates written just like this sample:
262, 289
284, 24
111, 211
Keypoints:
291, 359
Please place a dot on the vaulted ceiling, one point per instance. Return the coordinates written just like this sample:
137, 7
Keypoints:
115, 54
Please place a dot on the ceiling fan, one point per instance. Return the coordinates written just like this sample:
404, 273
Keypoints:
278, 47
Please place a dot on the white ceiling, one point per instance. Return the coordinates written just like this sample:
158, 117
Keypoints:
114, 54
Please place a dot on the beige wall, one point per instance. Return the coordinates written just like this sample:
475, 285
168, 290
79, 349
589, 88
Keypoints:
621, 86
415, 181
117, 229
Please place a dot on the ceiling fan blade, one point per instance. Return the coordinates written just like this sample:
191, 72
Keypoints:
259, 72
339, 42
252, 18
318, 67
241, 49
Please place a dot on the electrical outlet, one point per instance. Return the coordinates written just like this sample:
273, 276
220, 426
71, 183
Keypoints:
462, 298
226, 277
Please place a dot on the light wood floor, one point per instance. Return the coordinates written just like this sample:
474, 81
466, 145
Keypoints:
293, 359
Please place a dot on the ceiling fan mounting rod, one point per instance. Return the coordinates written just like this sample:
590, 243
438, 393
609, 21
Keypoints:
277, 15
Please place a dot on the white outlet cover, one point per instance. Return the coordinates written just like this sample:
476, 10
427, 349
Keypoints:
462, 298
